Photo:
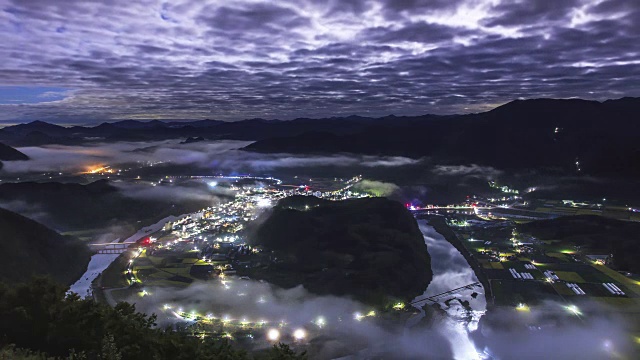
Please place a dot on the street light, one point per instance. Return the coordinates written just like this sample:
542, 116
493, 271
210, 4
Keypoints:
273, 334
573, 309
299, 334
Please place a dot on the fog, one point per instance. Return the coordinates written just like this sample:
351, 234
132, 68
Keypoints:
461, 334
503, 333
422, 180
255, 301
596, 334
32, 211
377, 188
192, 190
223, 155
472, 170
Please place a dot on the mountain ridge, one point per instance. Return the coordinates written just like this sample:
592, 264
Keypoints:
256, 129
28, 248
573, 135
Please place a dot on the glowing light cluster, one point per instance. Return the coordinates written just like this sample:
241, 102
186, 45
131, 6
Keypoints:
273, 334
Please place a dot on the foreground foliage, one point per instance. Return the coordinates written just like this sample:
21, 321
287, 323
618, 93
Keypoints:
39, 321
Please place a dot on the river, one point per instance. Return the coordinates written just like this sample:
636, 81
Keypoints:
100, 262
451, 270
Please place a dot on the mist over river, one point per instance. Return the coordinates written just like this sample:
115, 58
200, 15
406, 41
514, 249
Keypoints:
451, 270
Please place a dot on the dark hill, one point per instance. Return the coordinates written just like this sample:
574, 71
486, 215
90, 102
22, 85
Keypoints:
7, 153
370, 249
44, 127
70, 206
28, 248
596, 235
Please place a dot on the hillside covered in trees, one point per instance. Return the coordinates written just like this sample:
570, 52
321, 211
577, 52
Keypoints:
28, 248
40, 322
370, 249
71, 206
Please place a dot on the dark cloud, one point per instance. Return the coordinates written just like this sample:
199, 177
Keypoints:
422, 5
285, 59
514, 13
419, 32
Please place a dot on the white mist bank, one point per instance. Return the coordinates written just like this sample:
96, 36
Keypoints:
248, 299
447, 337
216, 155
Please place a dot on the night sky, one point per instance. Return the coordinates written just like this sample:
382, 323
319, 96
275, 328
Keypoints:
78, 61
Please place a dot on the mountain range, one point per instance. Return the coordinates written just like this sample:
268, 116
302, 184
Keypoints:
575, 136
572, 135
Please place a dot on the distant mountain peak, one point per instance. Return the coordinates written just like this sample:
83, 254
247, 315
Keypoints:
43, 124
38, 122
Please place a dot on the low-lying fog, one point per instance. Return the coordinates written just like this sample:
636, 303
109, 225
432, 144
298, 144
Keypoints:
218, 156
454, 335
423, 180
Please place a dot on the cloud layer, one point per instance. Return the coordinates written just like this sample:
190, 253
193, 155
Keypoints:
232, 60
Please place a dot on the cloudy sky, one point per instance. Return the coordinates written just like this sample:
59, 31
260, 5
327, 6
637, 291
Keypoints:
77, 61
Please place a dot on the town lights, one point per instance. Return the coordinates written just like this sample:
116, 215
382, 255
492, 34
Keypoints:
273, 334
263, 203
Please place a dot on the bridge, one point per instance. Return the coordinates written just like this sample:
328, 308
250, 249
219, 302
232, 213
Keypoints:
416, 208
112, 248
435, 298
